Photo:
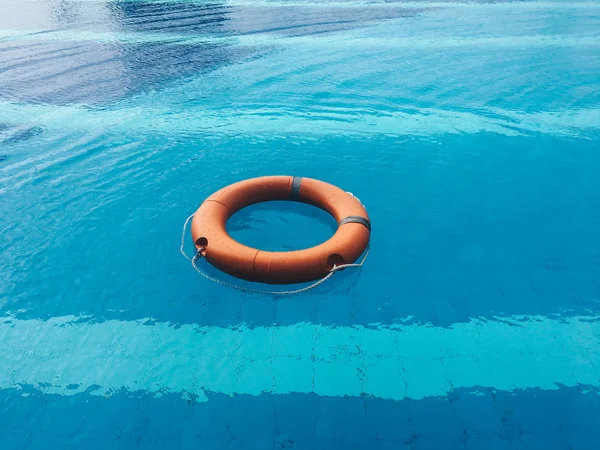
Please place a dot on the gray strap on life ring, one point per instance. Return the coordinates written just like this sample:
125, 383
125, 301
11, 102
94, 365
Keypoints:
356, 219
295, 193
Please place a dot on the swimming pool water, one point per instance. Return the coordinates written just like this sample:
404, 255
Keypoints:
469, 130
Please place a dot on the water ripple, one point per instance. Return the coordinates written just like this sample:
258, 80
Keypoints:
469, 129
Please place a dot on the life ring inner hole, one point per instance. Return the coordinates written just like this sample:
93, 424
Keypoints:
281, 225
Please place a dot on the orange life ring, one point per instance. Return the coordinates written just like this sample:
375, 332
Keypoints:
214, 243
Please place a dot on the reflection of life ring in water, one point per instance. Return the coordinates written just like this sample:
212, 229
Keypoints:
219, 249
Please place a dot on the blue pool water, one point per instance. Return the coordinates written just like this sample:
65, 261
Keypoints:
471, 132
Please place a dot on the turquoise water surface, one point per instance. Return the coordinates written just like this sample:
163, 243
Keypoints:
471, 132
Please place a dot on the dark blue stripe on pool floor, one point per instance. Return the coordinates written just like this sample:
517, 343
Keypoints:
568, 417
